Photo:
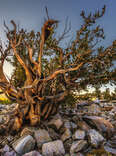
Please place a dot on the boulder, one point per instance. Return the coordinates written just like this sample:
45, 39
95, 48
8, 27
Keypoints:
79, 135
56, 123
77, 154
42, 136
53, 134
77, 146
67, 145
1, 119
67, 124
24, 144
53, 148
33, 153
95, 138
94, 109
6, 148
70, 125
11, 153
66, 135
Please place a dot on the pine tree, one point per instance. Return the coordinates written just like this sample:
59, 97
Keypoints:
52, 72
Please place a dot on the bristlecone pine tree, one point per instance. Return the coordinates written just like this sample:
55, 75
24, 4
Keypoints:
52, 72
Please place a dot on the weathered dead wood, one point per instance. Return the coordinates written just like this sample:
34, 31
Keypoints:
44, 36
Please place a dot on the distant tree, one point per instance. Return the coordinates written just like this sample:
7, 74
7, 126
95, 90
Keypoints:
113, 95
115, 91
97, 92
106, 94
52, 72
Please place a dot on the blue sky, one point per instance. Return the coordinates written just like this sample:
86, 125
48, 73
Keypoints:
30, 14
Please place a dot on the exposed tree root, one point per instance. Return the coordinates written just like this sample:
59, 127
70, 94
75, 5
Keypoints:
27, 114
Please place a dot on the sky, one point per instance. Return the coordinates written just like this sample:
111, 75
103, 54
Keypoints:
30, 14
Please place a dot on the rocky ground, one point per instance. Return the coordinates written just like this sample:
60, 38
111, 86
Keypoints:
87, 130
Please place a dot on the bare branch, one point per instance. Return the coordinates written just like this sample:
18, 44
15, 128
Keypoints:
29, 78
58, 97
47, 13
64, 34
62, 71
44, 35
6, 27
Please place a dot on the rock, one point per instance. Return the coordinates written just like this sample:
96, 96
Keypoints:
53, 134
83, 125
78, 146
27, 131
12, 153
66, 135
32, 153
67, 145
70, 125
53, 148
56, 123
82, 104
1, 119
77, 154
2, 107
11, 107
67, 124
24, 144
97, 101
105, 154
10, 138
95, 138
110, 145
73, 125
42, 136
79, 135
67, 154
103, 125
6, 148
75, 119
94, 109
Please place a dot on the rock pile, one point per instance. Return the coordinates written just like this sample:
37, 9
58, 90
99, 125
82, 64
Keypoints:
79, 132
